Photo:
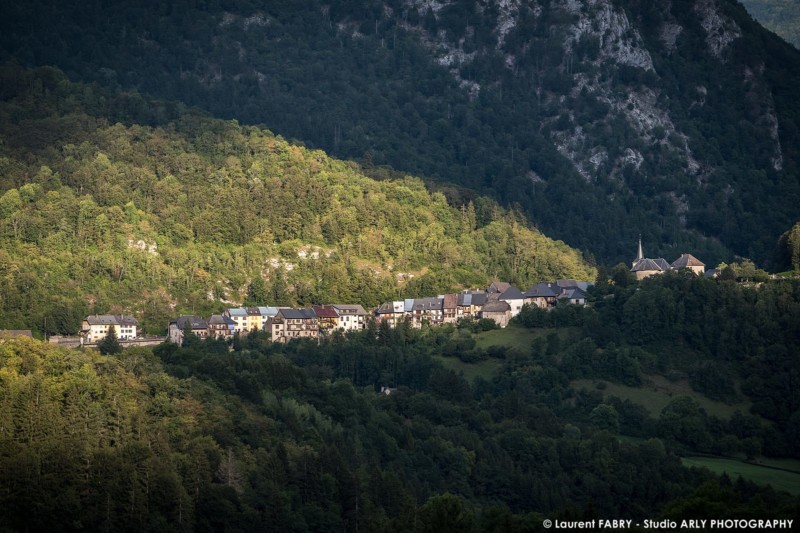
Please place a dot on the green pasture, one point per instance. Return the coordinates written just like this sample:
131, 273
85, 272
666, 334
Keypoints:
513, 336
764, 473
656, 392
486, 368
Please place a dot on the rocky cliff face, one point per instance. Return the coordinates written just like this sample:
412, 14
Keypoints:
615, 42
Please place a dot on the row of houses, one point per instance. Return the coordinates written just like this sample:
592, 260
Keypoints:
500, 302
283, 323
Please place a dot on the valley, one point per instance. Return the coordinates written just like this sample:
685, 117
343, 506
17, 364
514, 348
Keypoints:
349, 219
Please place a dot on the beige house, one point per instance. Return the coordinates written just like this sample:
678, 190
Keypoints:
293, 324
691, 262
221, 326
542, 295
391, 312
497, 310
95, 327
351, 317
240, 319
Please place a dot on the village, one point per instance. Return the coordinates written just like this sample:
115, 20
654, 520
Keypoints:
499, 302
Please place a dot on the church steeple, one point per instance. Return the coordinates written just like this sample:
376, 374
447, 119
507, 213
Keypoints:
639, 255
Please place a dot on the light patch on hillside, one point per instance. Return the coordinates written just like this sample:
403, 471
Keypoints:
669, 35
423, 6
570, 143
643, 113
619, 42
151, 248
447, 54
721, 31
506, 20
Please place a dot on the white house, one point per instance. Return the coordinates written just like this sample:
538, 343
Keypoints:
95, 327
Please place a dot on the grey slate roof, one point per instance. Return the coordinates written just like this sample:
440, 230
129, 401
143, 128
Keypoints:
193, 322
110, 320
216, 320
127, 321
542, 290
574, 293
237, 311
101, 320
351, 309
512, 293
643, 265
301, 314
427, 304
386, 308
479, 298
471, 298
662, 263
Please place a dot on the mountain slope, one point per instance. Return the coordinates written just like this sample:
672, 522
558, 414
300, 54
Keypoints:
98, 215
600, 119
780, 16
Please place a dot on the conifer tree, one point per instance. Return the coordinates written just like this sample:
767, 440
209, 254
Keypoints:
110, 344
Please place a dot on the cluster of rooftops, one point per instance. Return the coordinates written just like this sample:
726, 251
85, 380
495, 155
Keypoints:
500, 302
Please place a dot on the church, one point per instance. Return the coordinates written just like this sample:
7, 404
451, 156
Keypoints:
644, 267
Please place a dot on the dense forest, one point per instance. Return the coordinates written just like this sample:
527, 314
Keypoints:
599, 120
99, 213
297, 437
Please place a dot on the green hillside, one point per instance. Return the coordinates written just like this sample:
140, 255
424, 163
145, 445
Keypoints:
600, 121
99, 212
